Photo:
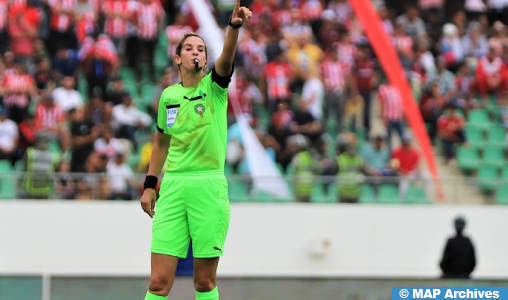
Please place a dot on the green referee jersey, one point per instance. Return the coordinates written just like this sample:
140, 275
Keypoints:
196, 119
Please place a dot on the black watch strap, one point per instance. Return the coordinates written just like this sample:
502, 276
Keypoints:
234, 26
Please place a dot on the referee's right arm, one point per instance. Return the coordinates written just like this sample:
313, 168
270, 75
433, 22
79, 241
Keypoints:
159, 154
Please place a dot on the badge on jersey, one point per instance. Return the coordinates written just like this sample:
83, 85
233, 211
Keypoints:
172, 112
199, 109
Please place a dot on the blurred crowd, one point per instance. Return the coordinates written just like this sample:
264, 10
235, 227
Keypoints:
308, 81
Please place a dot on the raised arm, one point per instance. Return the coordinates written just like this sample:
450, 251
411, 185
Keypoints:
224, 63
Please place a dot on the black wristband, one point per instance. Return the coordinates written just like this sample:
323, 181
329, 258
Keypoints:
232, 25
150, 182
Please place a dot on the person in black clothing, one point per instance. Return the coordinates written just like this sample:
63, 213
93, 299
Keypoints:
459, 258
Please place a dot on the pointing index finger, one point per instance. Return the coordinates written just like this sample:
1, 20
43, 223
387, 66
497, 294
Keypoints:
237, 5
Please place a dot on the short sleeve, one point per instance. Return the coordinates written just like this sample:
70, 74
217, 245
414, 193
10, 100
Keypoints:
223, 82
162, 116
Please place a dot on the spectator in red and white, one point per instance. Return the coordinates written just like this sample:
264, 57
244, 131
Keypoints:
282, 14
50, 120
451, 47
275, 82
108, 144
99, 61
403, 44
4, 14
252, 49
491, 74
392, 112
18, 91
408, 160
364, 82
175, 32
148, 19
23, 30
347, 51
474, 42
86, 14
387, 23
127, 118
8, 137
451, 130
412, 23
118, 14
62, 25
335, 83
297, 28
65, 96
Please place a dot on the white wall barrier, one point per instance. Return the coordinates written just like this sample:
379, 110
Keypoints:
113, 238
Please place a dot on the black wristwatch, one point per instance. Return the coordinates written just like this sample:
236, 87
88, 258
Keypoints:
232, 25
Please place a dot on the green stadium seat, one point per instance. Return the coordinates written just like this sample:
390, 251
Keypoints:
5, 166
416, 195
474, 135
367, 194
147, 94
487, 177
127, 75
388, 194
19, 166
502, 194
493, 155
496, 136
7, 180
468, 158
479, 118
504, 173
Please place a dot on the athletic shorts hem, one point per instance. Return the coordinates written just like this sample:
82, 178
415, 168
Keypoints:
162, 251
207, 255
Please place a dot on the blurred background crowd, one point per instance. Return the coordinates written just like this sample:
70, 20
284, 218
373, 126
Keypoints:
81, 81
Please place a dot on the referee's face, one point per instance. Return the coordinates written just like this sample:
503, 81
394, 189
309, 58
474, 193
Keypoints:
193, 47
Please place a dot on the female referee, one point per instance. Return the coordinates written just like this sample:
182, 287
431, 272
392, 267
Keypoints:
191, 140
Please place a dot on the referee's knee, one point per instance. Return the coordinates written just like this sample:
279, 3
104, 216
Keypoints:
203, 285
159, 285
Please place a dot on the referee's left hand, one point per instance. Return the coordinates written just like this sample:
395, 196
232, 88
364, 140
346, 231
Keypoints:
148, 202
240, 14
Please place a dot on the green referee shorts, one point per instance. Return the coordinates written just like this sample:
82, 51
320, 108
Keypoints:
191, 207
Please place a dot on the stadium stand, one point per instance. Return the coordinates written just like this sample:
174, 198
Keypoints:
304, 67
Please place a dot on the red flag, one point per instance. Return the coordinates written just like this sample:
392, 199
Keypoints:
381, 43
